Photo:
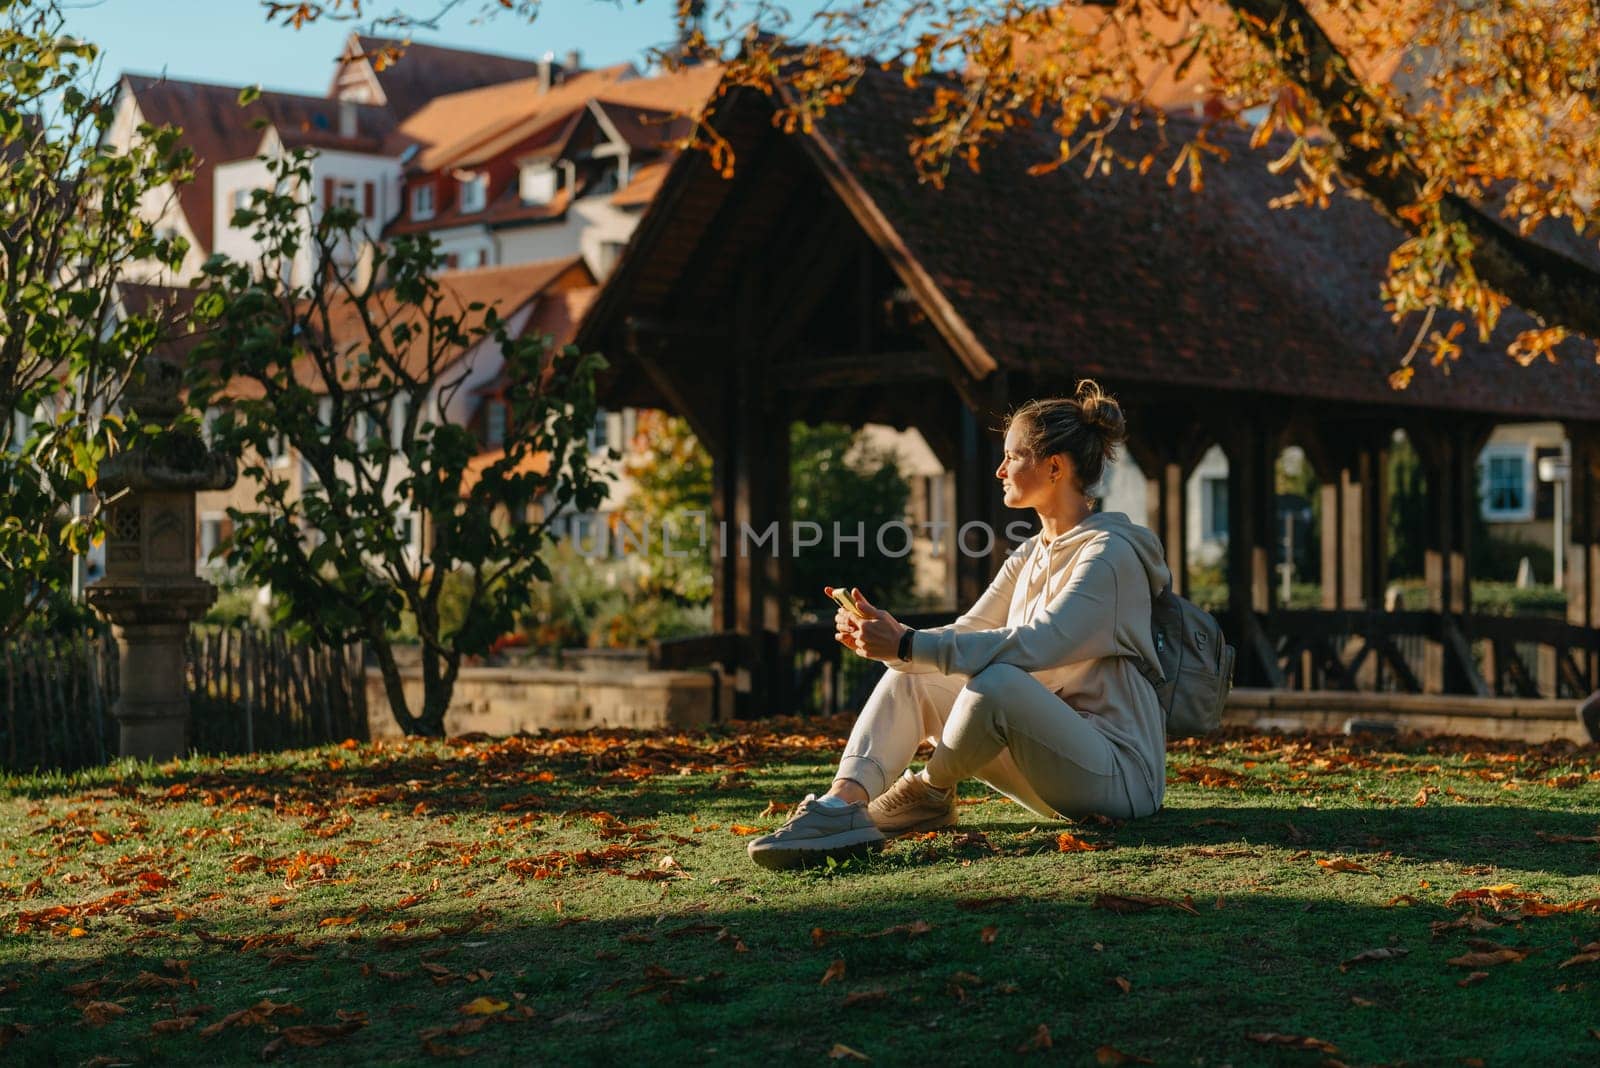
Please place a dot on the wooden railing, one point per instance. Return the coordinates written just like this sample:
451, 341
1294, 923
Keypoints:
1396, 652
248, 690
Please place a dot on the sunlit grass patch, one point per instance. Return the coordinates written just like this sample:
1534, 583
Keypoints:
586, 899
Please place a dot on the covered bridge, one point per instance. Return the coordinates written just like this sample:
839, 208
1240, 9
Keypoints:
823, 281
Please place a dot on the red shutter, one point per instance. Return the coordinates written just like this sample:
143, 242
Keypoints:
329, 186
369, 195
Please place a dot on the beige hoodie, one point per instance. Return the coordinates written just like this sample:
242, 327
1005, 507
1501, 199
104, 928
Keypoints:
1075, 613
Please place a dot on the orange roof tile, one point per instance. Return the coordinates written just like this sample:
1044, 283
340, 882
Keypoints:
426, 71
450, 126
642, 184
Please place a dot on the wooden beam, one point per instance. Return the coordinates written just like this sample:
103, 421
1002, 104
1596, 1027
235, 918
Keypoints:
860, 370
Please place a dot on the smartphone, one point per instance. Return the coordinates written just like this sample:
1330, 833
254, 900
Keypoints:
847, 602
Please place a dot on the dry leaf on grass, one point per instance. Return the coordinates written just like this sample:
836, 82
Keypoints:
1272, 1038
1341, 864
308, 1036
1589, 954
835, 971
744, 829
1128, 903
1039, 1041
1488, 958
1122, 984
988, 935
842, 1052
1475, 977
1071, 843
259, 1013
1113, 1055
100, 1013
1371, 955
864, 997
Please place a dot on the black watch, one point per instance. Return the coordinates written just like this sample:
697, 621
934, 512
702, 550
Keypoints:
904, 651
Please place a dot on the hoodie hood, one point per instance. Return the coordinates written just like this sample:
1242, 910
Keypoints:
1146, 546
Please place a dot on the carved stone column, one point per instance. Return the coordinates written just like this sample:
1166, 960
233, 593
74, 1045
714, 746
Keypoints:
150, 592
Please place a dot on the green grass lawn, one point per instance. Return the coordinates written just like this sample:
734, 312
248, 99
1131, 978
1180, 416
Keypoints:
581, 900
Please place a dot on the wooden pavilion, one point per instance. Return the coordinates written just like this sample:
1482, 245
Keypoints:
823, 281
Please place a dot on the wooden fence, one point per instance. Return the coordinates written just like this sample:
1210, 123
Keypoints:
249, 690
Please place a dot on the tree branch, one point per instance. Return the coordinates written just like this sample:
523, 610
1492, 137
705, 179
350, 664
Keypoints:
1552, 287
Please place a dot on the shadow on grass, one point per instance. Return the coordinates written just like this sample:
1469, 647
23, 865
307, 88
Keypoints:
674, 985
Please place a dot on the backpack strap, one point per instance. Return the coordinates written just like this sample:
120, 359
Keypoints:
1151, 672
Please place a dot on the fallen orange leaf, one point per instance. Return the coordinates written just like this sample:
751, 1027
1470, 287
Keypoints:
484, 1006
988, 934
744, 829
1122, 984
1071, 843
841, 1052
1475, 977
1382, 953
1113, 1055
1271, 1038
1343, 865
835, 971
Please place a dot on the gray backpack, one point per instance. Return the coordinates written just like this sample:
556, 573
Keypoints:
1195, 671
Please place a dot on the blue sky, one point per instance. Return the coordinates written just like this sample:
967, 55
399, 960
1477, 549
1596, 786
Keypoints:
229, 41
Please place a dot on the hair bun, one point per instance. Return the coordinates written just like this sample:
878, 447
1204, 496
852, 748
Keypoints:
1102, 412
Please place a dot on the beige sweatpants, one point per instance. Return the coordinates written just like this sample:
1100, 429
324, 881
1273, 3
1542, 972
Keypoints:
1001, 726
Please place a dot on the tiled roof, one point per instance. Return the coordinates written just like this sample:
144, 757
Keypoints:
1118, 276
218, 130
1123, 277
427, 71
507, 289
642, 185
452, 126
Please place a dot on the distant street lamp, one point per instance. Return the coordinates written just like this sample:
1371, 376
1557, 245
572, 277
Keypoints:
1554, 470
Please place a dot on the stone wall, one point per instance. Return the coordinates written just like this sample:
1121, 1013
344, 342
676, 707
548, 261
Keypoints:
1522, 719
501, 701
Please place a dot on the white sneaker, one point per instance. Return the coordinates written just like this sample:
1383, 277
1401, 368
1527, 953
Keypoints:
815, 832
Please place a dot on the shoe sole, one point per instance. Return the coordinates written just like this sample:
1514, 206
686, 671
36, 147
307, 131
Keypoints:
844, 845
932, 823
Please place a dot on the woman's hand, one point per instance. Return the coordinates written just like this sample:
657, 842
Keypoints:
877, 637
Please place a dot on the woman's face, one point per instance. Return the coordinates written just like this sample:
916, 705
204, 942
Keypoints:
1026, 478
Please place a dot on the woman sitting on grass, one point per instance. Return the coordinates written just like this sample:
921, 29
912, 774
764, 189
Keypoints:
1036, 690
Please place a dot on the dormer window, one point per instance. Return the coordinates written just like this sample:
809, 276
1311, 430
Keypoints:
539, 183
422, 202
474, 193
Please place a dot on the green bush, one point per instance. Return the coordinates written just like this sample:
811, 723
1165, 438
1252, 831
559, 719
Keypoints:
1492, 598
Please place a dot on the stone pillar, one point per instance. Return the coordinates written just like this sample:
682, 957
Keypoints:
150, 592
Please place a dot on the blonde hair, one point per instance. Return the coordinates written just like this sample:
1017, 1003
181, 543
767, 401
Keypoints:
1086, 428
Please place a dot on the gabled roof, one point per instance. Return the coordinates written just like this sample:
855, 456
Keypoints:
1118, 276
508, 290
451, 126
426, 71
218, 130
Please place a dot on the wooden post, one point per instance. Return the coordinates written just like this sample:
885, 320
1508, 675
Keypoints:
1449, 455
1251, 515
1583, 553
979, 499
1167, 445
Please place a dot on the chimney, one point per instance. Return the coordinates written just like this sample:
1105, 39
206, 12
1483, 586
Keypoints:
573, 63
546, 72
348, 124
